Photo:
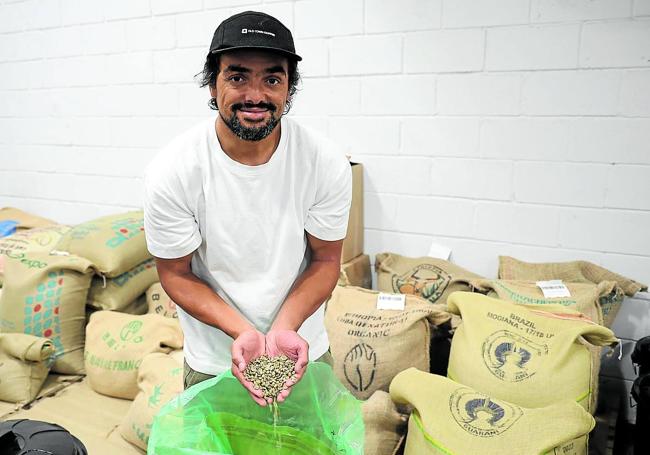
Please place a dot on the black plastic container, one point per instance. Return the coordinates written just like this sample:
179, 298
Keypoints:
33, 437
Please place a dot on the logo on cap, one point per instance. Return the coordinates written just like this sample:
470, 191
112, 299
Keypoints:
248, 30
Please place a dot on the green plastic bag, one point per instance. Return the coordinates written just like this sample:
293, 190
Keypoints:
217, 416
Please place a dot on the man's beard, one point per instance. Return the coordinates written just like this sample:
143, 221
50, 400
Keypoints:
253, 133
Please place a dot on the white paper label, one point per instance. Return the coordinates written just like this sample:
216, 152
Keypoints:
553, 288
391, 302
439, 251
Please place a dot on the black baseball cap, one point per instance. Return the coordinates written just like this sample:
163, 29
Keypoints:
253, 30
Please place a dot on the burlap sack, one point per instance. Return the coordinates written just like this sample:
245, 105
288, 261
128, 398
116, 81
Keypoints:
115, 243
577, 272
24, 364
532, 358
451, 418
119, 292
138, 307
116, 343
385, 425
585, 297
25, 220
45, 296
29, 241
160, 378
159, 302
370, 346
430, 278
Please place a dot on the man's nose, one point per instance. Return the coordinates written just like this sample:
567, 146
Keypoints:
255, 93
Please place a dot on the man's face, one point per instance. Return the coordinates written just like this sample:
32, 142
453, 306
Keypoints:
251, 91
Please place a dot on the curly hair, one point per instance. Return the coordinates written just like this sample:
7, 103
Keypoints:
211, 70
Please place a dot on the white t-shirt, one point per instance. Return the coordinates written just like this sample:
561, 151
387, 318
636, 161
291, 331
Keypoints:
246, 225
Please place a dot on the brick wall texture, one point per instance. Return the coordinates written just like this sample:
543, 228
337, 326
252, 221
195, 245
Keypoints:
518, 127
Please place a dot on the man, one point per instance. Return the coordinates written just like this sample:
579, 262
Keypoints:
246, 213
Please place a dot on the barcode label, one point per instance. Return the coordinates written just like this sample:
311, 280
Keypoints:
553, 289
391, 301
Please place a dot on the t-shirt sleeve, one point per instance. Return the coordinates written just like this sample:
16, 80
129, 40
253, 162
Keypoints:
327, 218
170, 228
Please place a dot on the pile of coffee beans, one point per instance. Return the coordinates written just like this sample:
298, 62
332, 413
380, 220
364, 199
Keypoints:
269, 374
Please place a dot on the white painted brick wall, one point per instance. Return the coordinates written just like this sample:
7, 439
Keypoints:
516, 127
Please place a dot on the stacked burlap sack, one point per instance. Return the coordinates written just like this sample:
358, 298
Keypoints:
25, 362
370, 346
454, 419
575, 272
521, 379
54, 278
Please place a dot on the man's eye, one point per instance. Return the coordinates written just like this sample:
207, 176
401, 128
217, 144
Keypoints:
236, 78
273, 81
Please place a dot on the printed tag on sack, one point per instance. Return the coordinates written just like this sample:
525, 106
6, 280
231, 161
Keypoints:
553, 288
391, 301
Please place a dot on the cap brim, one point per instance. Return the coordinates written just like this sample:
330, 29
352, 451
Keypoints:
273, 49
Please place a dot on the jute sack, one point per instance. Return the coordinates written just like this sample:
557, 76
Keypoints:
138, 306
454, 419
45, 296
159, 302
115, 243
370, 346
585, 297
119, 292
530, 357
116, 343
430, 278
29, 241
160, 378
25, 220
24, 364
577, 272
385, 425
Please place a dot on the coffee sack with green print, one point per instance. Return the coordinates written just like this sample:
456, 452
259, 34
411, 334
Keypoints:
116, 343
369, 345
520, 353
574, 272
160, 378
45, 296
159, 302
430, 278
25, 362
115, 243
119, 292
585, 297
455, 419
41, 239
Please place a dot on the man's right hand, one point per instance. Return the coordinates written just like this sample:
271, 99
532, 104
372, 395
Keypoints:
249, 345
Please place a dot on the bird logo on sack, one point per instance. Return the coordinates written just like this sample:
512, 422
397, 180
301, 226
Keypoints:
480, 415
425, 280
359, 366
512, 357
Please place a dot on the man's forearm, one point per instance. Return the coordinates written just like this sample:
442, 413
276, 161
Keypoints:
312, 288
200, 301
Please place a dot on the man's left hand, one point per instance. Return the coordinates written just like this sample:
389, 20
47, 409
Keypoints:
292, 345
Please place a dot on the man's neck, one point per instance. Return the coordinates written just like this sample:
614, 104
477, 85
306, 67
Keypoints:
250, 153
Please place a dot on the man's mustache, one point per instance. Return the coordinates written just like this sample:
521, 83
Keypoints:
238, 106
